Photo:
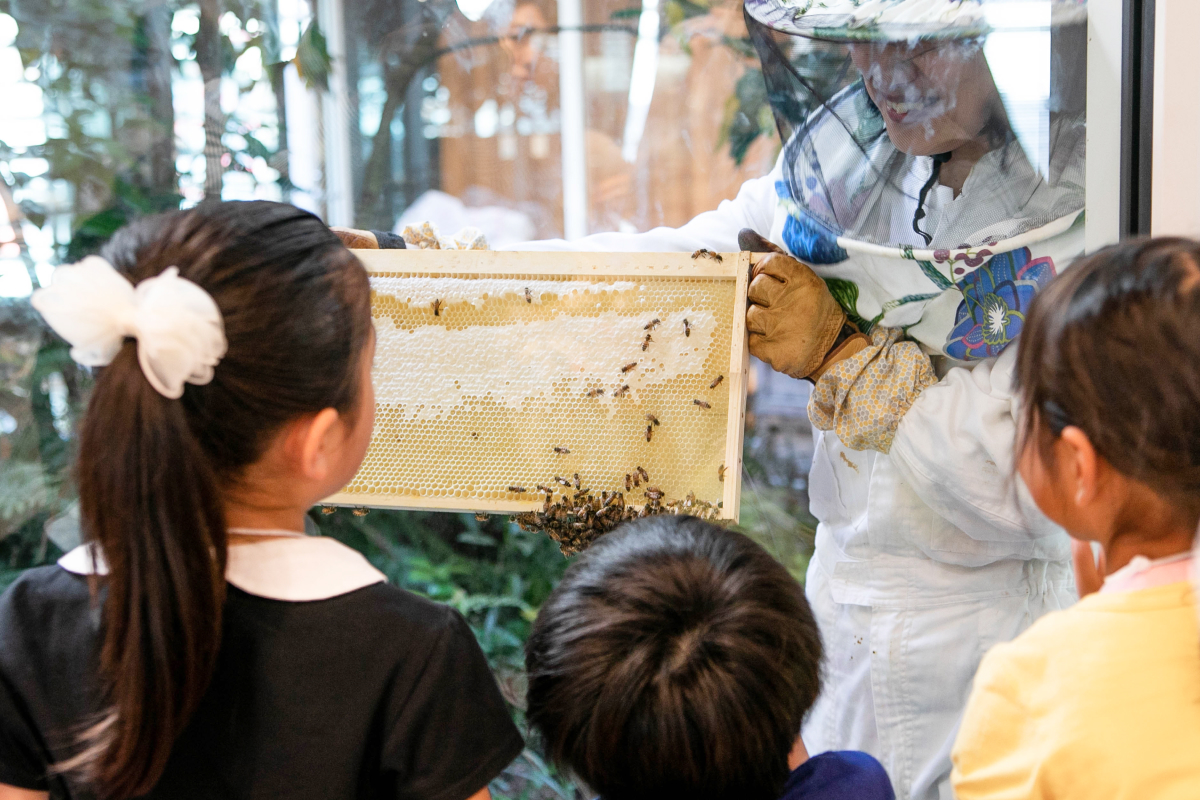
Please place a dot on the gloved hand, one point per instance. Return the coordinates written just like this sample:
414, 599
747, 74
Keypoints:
357, 239
793, 320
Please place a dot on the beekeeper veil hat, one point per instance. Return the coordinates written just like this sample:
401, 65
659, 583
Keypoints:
876, 99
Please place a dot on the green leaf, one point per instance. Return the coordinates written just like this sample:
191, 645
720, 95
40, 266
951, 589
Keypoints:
477, 539
313, 61
935, 275
23, 490
846, 293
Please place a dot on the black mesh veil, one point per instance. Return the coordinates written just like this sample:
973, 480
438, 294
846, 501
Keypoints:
930, 142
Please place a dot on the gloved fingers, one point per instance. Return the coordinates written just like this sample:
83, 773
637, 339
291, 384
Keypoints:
783, 268
749, 240
356, 239
765, 290
757, 344
767, 351
759, 321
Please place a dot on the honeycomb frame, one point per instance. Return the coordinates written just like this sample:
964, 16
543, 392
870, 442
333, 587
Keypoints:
605, 289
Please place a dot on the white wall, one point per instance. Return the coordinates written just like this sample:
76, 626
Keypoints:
1103, 179
1175, 199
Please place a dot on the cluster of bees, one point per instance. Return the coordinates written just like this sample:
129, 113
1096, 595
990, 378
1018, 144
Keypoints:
577, 518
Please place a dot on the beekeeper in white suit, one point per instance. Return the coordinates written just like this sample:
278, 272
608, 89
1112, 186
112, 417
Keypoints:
932, 225
915, 218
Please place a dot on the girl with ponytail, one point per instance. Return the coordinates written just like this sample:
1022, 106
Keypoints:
1102, 701
199, 644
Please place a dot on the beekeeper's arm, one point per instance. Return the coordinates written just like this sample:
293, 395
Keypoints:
716, 230
955, 448
951, 440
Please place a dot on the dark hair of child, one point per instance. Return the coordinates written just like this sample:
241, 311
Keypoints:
1111, 348
296, 310
676, 659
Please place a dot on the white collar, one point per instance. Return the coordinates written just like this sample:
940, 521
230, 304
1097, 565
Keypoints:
294, 569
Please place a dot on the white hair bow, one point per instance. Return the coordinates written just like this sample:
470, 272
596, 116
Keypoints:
178, 327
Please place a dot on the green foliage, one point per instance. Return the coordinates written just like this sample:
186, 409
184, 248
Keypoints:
747, 115
313, 61
127, 203
774, 506
846, 293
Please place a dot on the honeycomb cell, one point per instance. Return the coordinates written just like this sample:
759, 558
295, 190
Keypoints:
476, 398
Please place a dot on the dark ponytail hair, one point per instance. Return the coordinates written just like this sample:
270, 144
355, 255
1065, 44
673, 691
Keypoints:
1113, 348
153, 471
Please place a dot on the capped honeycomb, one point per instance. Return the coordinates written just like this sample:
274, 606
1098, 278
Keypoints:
492, 382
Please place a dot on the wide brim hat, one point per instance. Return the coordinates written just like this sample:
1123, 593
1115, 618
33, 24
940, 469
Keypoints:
910, 20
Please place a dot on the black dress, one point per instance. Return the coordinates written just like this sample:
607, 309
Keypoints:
375, 693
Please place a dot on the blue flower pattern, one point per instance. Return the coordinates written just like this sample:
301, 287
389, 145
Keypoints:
807, 239
996, 298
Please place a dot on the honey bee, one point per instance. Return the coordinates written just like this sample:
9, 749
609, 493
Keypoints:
702, 404
545, 489
360, 512
561, 481
327, 509
621, 392
576, 476
706, 253
595, 392
653, 420
528, 295
645, 475
636, 480
687, 328
481, 517
628, 367
437, 308
654, 493
517, 489
652, 324
649, 432
716, 382
721, 473
628, 482
562, 451
646, 342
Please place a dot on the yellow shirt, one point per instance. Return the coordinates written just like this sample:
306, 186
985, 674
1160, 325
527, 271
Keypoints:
1097, 702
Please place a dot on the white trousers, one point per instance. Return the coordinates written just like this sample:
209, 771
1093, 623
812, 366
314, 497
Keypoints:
898, 671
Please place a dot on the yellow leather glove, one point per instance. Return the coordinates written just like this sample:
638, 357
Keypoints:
793, 321
357, 239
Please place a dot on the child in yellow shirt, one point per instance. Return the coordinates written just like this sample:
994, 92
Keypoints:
1102, 701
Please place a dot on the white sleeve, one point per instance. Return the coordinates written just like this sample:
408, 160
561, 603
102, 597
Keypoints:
954, 447
717, 230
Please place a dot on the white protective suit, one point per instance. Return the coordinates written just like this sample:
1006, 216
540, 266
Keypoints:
926, 556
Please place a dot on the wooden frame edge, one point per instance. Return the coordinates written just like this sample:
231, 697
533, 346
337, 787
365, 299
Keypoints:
739, 368
578, 264
410, 503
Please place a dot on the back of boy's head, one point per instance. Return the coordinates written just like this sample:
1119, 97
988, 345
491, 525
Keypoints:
295, 308
1113, 348
676, 659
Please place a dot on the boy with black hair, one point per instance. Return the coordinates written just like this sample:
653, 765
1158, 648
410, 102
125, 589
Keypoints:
677, 659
